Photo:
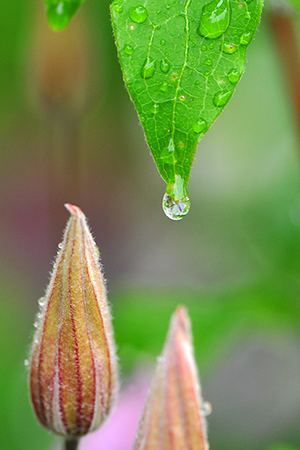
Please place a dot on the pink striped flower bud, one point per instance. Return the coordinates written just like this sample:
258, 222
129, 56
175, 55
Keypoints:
73, 368
173, 418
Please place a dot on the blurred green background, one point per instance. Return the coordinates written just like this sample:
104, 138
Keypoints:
69, 133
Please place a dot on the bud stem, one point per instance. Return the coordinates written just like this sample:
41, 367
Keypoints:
71, 444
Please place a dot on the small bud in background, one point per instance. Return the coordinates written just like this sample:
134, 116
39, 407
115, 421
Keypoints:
173, 418
73, 368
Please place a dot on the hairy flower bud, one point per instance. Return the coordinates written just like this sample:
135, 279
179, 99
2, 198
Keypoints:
73, 368
173, 418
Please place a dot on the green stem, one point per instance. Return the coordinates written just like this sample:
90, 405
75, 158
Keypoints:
71, 444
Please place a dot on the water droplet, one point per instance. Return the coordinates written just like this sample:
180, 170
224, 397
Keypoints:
26, 363
117, 6
206, 409
168, 153
182, 97
228, 47
222, 97
211, 46
155, 108
246, 38
164, 87
148, 68
234, 76
36, 324
199, 126
208, 62
164, 65
207, 73
203, 47
41, 301
138, 14
168, 6
158, 11
60, 13
163, 42
248, 15
176, 203
215, 19
60, 245
128, 49
131, 27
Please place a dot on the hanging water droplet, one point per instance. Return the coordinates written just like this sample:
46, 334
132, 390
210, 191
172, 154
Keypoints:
221, 98
246, 38
148, 68
117, 6
128, 49
208, 62
164, 65
26, 363
138, 14
176, 203
214, 19
199, 126
228, 47
163, 42
59, 14
60, 245
234, 76
206, 409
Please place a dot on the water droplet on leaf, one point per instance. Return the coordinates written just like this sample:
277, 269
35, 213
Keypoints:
203, 47
246, 38
148, 68
208, 62
155, 108
215, 19
199, 126
128, 49
163, 42
117, 6
138, 14
206, 409
221, 98
164, 66
41, 301
26, 363
164, 87
234, 76
228, 47
211, 46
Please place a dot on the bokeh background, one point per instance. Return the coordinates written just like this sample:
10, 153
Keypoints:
69, 133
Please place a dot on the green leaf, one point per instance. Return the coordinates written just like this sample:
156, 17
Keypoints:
181, 60
60, 12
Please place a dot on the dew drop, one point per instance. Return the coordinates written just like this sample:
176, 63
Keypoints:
60, 245
26, 363
176, 203
221, 98
128, 49
246, 38
175, 210
206, 409
164, 66
138, 14
59, 14
199, 126
163, 42
234, 76
148, 68
228, 47
208, 62
117, 6
155, 108
41, 301
214, 19
164, 87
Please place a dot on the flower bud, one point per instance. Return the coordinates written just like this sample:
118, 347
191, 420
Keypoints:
173, 418
73, 368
